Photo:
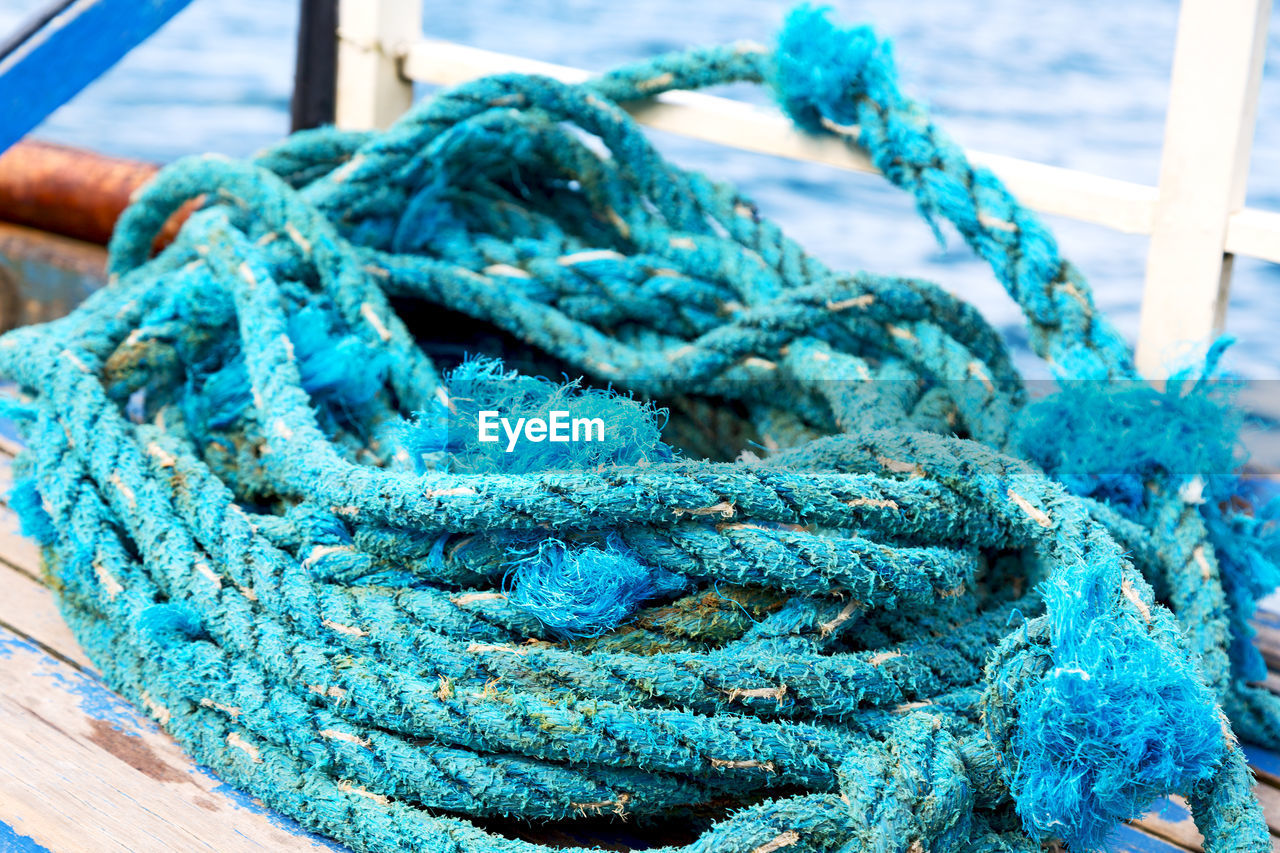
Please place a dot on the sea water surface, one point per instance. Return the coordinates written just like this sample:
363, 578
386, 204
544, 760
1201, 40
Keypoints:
1081, 84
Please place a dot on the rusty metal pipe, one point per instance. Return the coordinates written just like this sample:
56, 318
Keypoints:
71, 191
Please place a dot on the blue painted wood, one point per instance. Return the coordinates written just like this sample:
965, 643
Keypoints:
1263, 760
13, 841
1126, 839
1267, 616
70, 52
86, 691
1169, 810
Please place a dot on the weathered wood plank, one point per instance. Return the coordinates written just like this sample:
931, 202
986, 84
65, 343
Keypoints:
60, 693
1269, 796
1272, 682
1265, 764
17, 551
83, 770
1267, 624
1170, 819
8, 447
30, 612
1129, 839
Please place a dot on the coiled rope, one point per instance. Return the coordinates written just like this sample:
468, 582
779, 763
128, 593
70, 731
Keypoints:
887, 628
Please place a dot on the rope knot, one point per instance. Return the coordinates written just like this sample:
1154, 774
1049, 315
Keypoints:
1089, 735
909, 792
821, 70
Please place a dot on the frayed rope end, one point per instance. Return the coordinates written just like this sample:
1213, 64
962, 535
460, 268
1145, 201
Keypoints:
584, 590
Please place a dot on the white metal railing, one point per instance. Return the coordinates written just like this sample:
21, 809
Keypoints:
1196, 218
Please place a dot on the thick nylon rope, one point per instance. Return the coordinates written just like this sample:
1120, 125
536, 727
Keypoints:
886, 628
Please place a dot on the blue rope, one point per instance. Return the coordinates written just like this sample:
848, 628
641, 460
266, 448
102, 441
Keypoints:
907, 617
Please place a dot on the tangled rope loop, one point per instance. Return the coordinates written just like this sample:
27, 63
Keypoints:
272, 522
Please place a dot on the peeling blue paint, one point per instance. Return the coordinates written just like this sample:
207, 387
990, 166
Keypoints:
1262, 760
1126, 839
98, 702
12, 841
96, 699
9, 643
1169, 810
278, 820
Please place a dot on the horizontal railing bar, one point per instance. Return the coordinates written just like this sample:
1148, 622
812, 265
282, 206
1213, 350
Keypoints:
1120, 205
1255, 233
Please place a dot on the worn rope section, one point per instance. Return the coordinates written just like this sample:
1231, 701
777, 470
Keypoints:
899, 619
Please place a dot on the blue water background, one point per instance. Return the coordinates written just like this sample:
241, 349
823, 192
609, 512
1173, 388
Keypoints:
1080, 84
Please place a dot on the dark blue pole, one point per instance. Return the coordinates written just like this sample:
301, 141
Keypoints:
66, 52
316, 77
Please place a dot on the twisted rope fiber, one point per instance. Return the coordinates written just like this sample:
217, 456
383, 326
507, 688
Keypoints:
902, 620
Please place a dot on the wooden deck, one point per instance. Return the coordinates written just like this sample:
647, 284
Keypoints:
82, 771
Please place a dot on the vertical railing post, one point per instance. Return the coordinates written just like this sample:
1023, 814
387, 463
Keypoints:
1217, 68
315, 78
373, 36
